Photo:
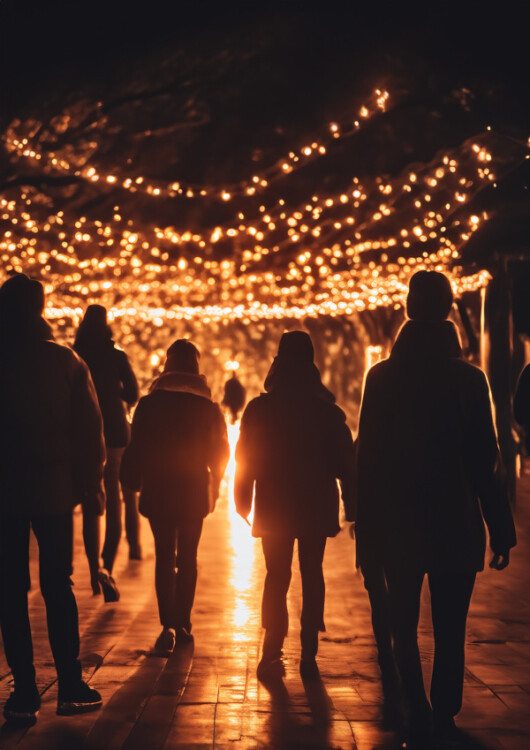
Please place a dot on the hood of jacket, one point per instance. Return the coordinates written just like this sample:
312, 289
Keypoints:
183, 382
427, 339
289, 377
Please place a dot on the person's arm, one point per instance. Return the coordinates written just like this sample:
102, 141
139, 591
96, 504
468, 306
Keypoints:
219, 452
345, 465
521, 400
129, 385
132, 459
489, 476
244, 478
88, 442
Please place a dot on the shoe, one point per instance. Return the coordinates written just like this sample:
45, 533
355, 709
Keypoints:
22, 706
183, 635
108, 586
309, 669
270, 669
165, 643
78, 700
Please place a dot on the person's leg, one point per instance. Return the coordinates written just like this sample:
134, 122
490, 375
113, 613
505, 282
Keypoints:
450, 597
111, 480
165, 535
92, 542
404, 590
278, 553
310, 556
188, 536
14, 587
55, 537
132, 523
376, 587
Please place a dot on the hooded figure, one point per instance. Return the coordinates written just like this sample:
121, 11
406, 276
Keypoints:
294, 445
51, 459
427, 479
176, 460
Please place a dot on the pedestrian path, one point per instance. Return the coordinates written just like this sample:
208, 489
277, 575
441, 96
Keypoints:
207, 695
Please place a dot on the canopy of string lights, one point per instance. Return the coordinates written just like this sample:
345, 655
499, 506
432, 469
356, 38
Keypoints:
98, 204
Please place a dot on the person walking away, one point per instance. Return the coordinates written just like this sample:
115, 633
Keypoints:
51, 458
176, 459
234, 397
116, 387
428, 476
294, 444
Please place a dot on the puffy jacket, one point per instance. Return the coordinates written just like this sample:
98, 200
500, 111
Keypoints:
293, 446
178, 451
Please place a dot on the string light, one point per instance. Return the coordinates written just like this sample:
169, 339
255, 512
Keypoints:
334, 254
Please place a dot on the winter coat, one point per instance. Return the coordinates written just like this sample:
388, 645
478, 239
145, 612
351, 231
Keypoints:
427, 458
52, 451
521, 403
115, 384
178, 450
294, 444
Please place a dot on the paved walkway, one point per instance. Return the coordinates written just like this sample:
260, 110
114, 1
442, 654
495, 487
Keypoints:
207, 695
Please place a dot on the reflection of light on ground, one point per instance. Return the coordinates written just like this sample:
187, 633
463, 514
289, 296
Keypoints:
243, 545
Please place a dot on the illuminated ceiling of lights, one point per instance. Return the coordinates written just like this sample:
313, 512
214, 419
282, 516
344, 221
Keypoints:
327, 253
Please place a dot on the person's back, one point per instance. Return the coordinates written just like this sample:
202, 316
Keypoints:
42, 396
294, 442
175, 440
426, 417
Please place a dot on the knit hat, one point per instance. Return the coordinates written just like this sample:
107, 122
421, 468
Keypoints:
182, 356
430, 296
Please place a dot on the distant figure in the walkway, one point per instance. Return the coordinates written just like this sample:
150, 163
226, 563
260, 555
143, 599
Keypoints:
51, 458
234, 397
521, 404
428, 474
294, 445
116, 388
176, 459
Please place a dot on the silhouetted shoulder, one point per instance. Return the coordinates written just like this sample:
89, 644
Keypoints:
62, 354
470, 373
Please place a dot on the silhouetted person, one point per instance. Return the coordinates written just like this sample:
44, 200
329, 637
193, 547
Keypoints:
294, 445
234, 397
176, 459
51, 458
116, 387
521, 404
428, 474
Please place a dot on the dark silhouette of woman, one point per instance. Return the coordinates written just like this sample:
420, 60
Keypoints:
116, 387
294, 445
176, 459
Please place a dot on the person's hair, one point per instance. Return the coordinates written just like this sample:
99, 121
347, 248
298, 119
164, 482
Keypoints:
94, 326
182, 356
296, 346
430, 296
21, 307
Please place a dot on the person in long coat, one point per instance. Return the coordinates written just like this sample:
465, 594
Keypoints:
51, 459
428, 476
117, 389
176, 459
294, 445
